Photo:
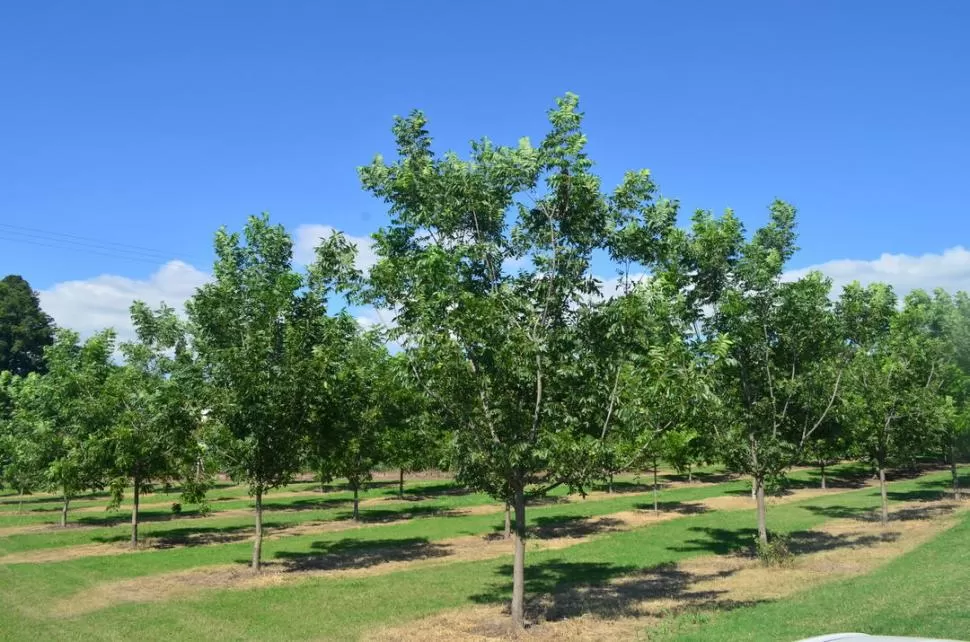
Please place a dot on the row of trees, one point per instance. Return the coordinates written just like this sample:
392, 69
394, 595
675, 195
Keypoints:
513, 361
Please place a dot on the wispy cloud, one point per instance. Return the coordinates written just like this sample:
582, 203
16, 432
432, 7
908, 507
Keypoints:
949, 270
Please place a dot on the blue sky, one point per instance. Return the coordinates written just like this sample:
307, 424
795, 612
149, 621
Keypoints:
152, 124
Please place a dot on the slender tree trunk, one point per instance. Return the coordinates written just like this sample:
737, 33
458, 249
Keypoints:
759, 485
609, 484
885, 497
822, 469
258, 542
508, 521
400, 484
754, 489
656, 505
954, 473
67, 503
690, 474
20, 505
356, 515
134, 513
518, 567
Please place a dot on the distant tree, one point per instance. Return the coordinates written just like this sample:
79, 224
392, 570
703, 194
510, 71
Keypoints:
680, 450
64, 411
153, 432
256, 328
25, 330
951, 324
20, 466
830, 444
365, 411
783, 370
415, 439
892, 396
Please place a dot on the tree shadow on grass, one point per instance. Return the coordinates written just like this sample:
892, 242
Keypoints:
310, 503
722, 541
382, 515
804, 542
682, 508
352, 553
560, 590
872, 514
719, 541
334, 487
186, 536
430, 491
572, 526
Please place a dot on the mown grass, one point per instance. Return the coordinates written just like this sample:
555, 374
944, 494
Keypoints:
923, 593
342, 608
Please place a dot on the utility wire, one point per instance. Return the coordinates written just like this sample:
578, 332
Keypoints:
76, 243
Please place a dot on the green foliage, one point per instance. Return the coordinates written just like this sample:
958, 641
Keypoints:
256, 329
25, 330
63, 412
891, 399
783, 359
775, 552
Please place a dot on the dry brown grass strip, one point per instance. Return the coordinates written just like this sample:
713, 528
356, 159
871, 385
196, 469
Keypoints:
359, 562
620, 609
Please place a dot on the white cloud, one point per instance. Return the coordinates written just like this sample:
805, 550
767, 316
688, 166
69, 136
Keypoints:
611, 287
90, 305
307, 238
949, 270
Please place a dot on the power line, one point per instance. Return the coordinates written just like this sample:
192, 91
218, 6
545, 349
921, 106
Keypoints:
77, 243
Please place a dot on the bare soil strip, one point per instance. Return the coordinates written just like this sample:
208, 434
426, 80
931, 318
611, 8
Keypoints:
622, 608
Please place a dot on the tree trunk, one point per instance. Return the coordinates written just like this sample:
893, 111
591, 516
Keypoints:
400, 484
258, 542
821, 466
609, 484
656, 505
134, 513
690, 474
759, 485
885, 498
954, 473
67, 502
754, 489
20, 505
518, 567
508, 521
356, 515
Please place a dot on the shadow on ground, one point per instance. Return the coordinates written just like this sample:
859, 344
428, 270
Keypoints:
868, 514
352, 553
563, 590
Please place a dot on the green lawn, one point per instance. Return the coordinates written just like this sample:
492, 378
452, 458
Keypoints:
923, 593
344, 607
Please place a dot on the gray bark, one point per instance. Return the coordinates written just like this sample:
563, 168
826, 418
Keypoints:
955, 474
885, 498
258, 542
518, 567
356, 515
67, 502
762, 510
134, 513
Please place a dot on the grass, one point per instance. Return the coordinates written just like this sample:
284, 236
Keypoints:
345, 607
923, 593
